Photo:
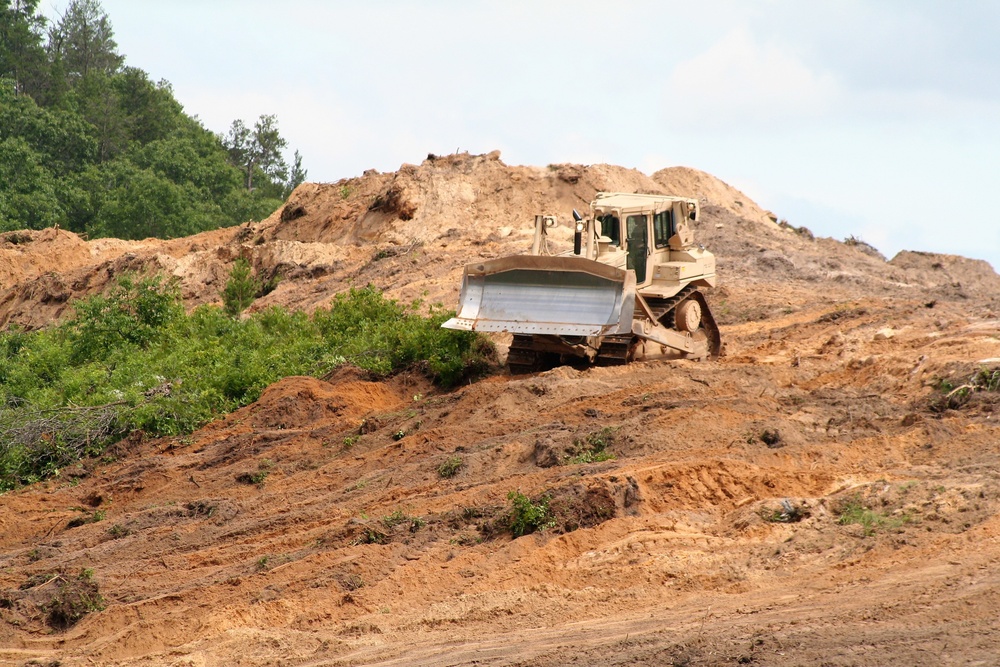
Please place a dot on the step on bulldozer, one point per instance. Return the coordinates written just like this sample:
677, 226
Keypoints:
630, 289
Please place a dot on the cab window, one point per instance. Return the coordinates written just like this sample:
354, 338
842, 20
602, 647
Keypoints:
611, 227
663, 228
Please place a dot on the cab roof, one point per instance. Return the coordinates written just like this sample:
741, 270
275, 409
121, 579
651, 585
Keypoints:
626, 200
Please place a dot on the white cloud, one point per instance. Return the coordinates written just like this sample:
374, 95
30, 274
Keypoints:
737, 82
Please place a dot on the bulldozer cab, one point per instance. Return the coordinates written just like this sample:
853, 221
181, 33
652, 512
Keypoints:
646, 227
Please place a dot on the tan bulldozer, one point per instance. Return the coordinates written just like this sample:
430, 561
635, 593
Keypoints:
630, 288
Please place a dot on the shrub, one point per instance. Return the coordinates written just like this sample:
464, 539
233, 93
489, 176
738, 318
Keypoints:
73, 599
133, 360
527, 516
135, 312
450, 467
594, 447
382, 336
241, 288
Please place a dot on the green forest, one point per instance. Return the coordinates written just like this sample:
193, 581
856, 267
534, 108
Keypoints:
100, 149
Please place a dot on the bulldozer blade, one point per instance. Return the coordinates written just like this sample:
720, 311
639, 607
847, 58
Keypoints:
560, 296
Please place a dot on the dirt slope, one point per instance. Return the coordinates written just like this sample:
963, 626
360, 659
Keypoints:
315, 527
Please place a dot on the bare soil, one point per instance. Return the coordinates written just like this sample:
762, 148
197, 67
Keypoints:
818, 496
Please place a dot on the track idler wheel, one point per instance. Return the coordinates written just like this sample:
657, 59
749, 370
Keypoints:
687, 316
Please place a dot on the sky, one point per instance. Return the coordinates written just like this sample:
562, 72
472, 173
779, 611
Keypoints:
876, 119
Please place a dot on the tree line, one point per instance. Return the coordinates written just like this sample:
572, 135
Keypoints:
99, 148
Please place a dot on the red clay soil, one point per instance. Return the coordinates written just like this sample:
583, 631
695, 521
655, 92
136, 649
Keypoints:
819, 496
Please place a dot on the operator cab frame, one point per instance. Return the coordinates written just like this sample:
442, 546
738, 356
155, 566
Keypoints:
645, 227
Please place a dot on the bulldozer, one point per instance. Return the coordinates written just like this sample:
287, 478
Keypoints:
630, 289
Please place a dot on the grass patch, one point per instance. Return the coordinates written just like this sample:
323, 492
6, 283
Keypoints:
854, 511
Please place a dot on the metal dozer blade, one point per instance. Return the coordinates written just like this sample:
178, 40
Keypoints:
558, 296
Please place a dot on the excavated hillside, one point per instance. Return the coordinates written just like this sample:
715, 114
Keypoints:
826, 493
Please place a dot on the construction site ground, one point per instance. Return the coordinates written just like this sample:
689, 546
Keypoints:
826, 493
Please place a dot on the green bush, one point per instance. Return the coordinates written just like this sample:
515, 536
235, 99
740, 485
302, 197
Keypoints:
527, 516
136, 312
450, 467
131, 359
595, 447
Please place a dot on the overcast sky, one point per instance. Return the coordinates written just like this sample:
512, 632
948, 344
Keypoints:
877, 119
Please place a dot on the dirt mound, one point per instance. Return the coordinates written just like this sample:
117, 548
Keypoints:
687, 182
301, 402
960, 276
410, 232
826, 493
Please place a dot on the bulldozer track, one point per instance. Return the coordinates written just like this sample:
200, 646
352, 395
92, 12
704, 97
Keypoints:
710, 327
522, 357
663, 307
615, 350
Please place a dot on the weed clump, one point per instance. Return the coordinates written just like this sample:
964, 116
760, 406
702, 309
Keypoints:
594, 447
258, 477
801, 231
399, 517
526, 516
119, 531
98, 515
786, 513
952, 397
450, 467
371, 535
854, 511
73, 599
351, 582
